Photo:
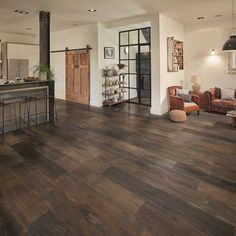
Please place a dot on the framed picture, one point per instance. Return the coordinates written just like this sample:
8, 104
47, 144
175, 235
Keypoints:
109, 53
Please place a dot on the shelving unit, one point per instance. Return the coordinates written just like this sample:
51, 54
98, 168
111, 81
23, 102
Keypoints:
113, 90
175, 55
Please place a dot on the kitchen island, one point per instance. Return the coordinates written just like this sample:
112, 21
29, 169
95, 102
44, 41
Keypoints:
28, 90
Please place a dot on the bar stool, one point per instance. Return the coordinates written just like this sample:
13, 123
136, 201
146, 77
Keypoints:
37, 113
17, 117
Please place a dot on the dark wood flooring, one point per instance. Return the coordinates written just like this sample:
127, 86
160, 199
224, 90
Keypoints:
120, 171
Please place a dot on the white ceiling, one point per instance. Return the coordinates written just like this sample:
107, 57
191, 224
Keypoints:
71, 13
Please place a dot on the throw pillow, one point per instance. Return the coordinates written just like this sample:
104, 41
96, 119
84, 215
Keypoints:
218, 92
227, 94
181, 91
186, 97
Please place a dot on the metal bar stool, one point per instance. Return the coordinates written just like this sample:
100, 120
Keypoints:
18, 118
36, 115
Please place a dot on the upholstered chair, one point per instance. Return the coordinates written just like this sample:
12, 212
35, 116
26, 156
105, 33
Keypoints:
178, 103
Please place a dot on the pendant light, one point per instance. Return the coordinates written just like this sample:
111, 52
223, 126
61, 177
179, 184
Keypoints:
230, 45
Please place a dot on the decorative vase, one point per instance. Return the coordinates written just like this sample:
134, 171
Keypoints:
42, 76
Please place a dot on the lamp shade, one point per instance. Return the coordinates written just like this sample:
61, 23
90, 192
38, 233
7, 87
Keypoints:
195, 79
230, 44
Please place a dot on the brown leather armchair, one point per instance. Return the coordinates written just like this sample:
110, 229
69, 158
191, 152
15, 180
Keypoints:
177, 103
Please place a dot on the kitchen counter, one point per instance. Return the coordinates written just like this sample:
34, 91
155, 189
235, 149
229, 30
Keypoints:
26, 84
28, 89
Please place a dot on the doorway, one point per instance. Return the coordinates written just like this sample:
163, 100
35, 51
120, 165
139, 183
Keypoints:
77, 76
135, 53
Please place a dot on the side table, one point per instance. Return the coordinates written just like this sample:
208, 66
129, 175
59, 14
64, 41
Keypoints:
232, 114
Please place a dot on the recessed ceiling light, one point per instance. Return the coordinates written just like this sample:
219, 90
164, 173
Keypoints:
92, 10
21, 12
200, 18
28, 28
216, 16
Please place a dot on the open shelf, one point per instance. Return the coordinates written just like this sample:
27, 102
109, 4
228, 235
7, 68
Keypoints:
112, 103
110, 96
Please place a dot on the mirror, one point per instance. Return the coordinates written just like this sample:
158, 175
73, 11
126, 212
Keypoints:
232, 62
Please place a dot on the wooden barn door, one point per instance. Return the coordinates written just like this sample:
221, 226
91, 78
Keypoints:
77, 76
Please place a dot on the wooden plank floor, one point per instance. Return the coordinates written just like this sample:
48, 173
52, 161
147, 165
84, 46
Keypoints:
120, 171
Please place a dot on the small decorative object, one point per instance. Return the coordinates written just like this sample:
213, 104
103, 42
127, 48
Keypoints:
104, 72
121, 66
30, 79
126, 50
175, 55
115, 72
195, 80
109, 53
44, 72
110, 72
231, 62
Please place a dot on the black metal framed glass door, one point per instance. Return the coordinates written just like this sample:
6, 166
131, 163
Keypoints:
135, 53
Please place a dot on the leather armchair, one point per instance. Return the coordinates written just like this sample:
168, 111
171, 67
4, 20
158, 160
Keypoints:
177, 103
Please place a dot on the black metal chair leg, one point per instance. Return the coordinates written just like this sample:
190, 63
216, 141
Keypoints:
3, 125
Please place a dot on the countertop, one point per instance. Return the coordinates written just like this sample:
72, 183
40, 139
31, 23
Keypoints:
24, 83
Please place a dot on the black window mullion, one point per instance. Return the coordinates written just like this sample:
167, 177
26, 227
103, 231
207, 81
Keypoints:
138, 60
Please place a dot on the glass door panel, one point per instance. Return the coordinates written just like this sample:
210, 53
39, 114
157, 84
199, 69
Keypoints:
136, 54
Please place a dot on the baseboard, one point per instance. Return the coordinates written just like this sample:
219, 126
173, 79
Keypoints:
159, 112
95, 104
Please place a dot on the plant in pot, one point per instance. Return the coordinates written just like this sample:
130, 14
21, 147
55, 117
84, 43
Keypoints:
44, 72
121, 68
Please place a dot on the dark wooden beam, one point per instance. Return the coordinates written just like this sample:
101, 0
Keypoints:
44, 35
44, 38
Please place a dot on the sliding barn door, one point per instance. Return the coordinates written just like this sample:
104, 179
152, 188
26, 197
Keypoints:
77, 76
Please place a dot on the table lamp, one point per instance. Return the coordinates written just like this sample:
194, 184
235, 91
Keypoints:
195, 80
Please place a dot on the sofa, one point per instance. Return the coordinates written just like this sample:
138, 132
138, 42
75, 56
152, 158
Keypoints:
178, 103
215, 103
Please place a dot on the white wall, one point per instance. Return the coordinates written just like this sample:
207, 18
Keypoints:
100, 36
18, 38
107, 38
198, 44
76, 38
168, 28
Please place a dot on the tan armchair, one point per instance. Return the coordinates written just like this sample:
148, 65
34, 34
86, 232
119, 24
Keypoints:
177, 103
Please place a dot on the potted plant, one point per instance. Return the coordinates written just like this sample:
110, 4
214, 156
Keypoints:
44, 72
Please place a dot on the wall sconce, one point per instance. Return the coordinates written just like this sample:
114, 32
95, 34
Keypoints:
213, 52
